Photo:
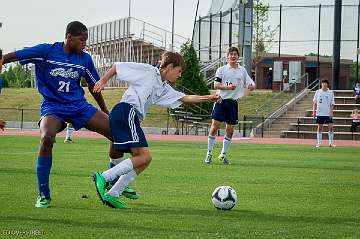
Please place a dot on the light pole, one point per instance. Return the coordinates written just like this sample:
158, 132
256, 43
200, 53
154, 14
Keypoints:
128, 21
173, 26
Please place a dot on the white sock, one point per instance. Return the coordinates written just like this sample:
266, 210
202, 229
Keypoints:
69, 132
319, 137
121, 183
211, 142
226, 145
122, 168
116, 161
331, 137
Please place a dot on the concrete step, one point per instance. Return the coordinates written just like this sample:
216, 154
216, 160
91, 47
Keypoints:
343, 92
336, 120
337, 113
344, 100
312, 135
345, 106
313, 127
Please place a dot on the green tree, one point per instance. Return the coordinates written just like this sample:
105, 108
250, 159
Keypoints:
192, 81
263, 33
353, 74
17, 76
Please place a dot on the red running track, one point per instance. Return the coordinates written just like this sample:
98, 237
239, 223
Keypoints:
187, 138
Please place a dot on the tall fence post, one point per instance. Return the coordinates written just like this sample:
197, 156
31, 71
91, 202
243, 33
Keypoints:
22, 119
298, 127
280, 24
220, 43
210, 38
318, 44
244, 128
357, 44
167, 123
262, 126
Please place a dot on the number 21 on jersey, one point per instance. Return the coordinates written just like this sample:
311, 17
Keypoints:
64, 86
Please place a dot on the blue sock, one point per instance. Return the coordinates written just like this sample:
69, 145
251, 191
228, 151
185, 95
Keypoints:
111, 165
43, 167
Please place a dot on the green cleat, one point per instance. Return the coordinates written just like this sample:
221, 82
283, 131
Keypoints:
130, 193
42, 202
113, 202
100, 183
223, 158
208, 159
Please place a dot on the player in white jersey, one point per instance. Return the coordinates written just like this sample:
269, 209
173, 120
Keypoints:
232, 81
323, 105
69, 132
148, 86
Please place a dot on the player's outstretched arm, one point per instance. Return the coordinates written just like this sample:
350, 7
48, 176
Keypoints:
99, 99
191, 99
99, 86
2, 124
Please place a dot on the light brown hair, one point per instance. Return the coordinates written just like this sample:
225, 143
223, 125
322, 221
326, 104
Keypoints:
174, 58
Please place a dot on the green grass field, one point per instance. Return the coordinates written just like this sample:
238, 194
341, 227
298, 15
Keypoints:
283, 191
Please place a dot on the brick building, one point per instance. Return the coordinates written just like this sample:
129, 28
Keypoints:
306, 64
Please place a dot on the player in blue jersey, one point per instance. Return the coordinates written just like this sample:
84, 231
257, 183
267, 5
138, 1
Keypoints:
59, 68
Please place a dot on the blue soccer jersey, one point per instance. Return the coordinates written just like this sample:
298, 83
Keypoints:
58, 74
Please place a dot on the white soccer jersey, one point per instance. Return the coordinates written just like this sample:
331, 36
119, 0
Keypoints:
146, 87
235, 76
323, 100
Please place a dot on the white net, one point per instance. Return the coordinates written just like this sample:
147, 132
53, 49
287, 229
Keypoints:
218, 30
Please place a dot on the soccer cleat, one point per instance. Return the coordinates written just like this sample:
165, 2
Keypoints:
208, 159
223, 158
130, 193
68, 140
113, 202
332, 145
100, 183
42, 202
317, 145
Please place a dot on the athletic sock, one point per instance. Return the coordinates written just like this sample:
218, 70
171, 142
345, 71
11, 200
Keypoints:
122, 183
226, 145
211, 142
319, 137
122, 168
43, 167
331, 137
113, 163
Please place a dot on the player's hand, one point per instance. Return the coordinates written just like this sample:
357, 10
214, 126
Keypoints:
215, 98
331, 114
314, 114
231, 87
2, 124
251, 87
99, 86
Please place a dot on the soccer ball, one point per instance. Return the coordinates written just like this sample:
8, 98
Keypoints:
224, 198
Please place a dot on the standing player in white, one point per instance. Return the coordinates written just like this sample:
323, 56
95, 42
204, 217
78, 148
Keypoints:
148, 86
231, 82
323, 105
